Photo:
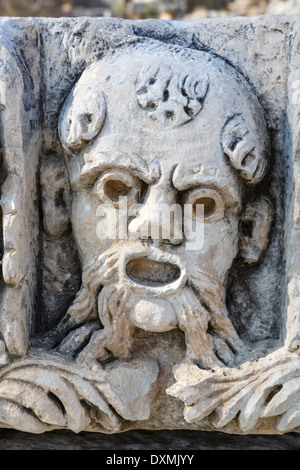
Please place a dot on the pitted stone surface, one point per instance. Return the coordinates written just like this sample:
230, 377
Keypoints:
150, 232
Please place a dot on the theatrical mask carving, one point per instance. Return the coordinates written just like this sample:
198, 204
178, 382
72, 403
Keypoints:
160, 126
151, 127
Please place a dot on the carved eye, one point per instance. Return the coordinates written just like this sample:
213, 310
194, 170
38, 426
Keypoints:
210, 200
209, 206
115, 189
87, 118
114, 184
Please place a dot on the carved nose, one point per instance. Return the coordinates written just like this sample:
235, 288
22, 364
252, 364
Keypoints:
157, 219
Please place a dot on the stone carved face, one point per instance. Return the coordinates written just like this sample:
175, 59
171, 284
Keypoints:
162, 125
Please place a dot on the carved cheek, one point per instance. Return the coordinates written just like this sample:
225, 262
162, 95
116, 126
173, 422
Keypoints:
220, 245
84, 223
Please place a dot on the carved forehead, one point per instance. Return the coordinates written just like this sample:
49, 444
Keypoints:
153, 97
147, 76
149, 67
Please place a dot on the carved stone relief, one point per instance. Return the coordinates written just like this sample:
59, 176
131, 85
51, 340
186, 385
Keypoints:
121, 143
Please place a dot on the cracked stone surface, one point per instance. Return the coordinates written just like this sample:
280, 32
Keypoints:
149, 235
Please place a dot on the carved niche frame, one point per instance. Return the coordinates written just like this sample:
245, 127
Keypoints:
262, 393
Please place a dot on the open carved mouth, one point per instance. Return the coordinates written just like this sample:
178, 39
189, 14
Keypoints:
152, 273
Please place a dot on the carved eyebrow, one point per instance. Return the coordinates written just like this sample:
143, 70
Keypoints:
214, 180
106, 160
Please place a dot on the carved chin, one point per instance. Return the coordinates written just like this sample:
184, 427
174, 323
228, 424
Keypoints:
155, 315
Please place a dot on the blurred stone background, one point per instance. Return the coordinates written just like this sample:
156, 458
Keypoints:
141, 9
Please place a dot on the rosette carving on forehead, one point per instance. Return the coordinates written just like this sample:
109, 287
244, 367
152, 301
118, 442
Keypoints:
169, 97
245, 148
82, 116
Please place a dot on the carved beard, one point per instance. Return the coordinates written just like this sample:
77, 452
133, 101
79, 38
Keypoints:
211, 339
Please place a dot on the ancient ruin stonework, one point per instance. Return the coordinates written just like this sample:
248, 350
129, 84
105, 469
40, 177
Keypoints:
119, 141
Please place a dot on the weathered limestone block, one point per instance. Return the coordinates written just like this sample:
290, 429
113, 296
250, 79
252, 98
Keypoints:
149, 233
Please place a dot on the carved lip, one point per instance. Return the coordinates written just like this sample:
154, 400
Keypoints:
149, 272
152, 271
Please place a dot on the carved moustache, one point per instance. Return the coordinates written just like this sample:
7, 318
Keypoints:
195, 305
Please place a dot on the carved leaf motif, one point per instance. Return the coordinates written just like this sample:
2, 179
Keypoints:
36, 399
38, 396
270, 389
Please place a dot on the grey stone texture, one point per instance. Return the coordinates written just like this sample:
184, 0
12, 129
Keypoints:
139, 333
